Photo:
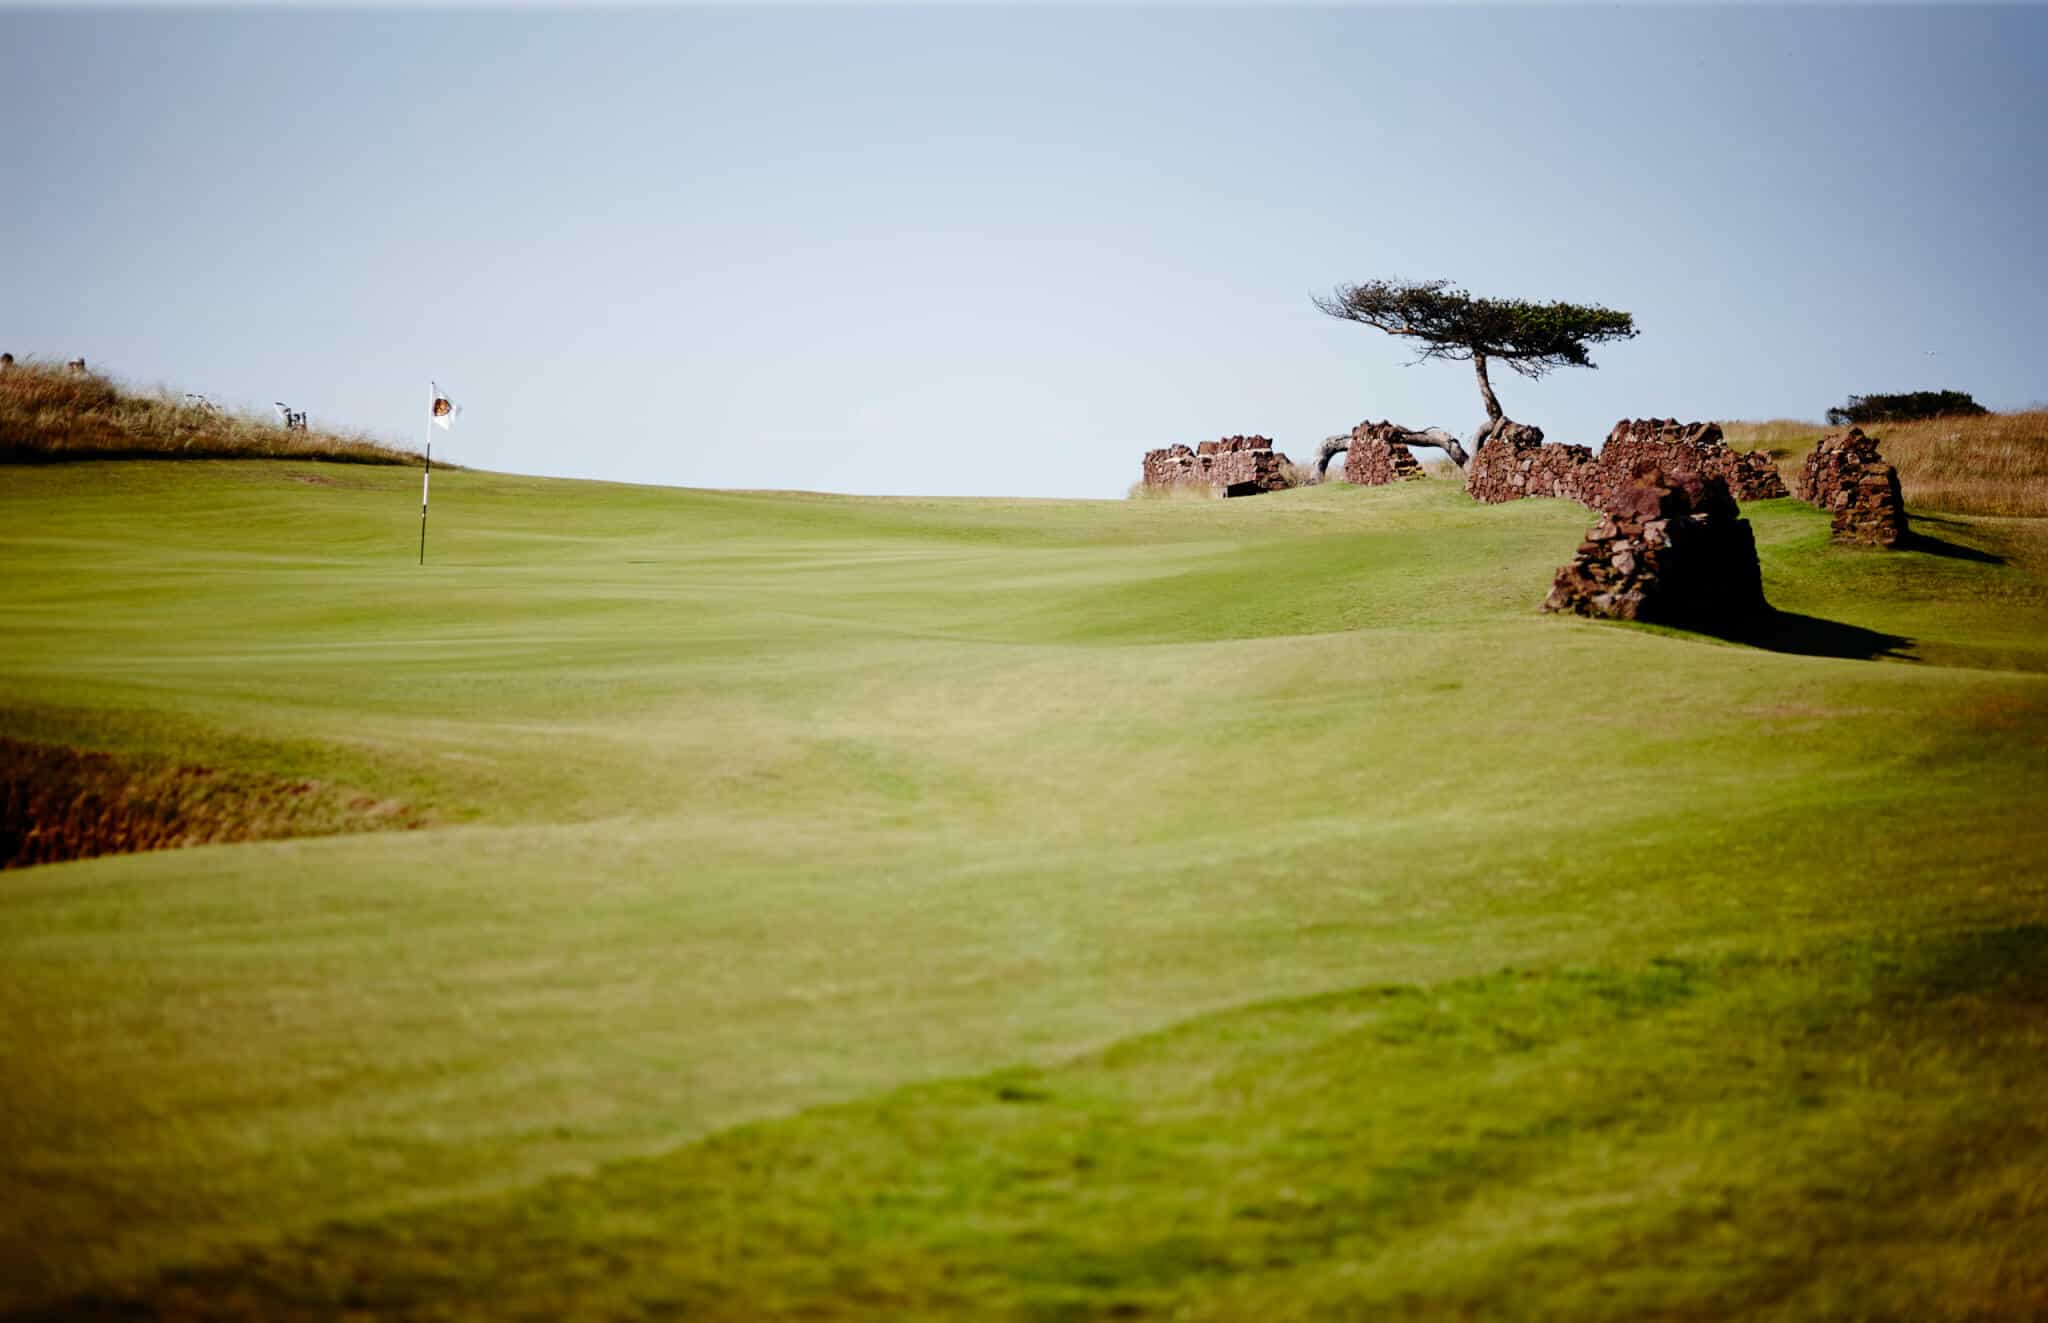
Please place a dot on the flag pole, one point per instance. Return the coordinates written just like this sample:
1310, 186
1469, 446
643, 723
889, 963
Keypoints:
426, 479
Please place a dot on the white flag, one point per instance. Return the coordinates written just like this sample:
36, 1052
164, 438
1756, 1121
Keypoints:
442, 410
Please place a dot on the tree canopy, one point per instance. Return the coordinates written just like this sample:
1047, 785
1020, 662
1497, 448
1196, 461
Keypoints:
1448, 322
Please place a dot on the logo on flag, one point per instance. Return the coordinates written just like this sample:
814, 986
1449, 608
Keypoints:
442, 410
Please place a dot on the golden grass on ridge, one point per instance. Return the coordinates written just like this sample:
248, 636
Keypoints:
1993, 464
49, 413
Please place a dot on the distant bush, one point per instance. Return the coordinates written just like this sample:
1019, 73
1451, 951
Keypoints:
50, 413
1905, 408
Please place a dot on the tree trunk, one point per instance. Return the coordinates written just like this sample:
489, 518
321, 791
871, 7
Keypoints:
1493, 410
1442, 440
1332, 447
1435, 436
1495, 417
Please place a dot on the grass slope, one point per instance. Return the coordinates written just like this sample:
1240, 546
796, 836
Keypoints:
1986, 464
50, 414
1623, 950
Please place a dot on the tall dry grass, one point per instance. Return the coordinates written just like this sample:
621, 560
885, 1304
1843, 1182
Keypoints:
49, 414
1179, 491
1993, 464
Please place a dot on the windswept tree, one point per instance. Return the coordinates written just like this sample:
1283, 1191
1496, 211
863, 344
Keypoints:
1445, 322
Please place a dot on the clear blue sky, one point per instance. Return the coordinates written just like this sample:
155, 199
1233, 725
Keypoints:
1005, 251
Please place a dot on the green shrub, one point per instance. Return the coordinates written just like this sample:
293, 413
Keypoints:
1904, 408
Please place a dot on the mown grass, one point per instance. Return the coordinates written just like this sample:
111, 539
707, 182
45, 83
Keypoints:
1990, 464
1849, 1129
50, 414
1011, 833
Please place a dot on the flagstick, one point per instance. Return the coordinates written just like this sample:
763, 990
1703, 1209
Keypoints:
425, 479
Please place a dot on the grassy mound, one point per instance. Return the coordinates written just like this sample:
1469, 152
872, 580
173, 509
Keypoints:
1989, 464
1030, 908
49, 414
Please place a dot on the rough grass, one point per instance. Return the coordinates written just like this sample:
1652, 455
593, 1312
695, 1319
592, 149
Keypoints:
50, 414
1179, 491
1991, 464
58, 804
1043, 909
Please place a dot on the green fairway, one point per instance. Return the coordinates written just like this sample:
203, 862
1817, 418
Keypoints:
970, 907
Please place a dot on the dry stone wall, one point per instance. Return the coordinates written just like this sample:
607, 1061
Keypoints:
1238, 465
1689, 448
1671, 549
1845, 476
1377, 456
1516, 462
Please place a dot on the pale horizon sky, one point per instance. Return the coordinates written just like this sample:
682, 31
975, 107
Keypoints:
1004, 251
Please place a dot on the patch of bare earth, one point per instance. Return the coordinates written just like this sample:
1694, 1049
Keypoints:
60, 803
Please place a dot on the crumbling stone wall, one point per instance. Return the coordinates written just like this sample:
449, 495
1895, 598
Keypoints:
1377, 456
1671, 549
1171, 466
1846, 476
1516, 462
1239, 465
1689, 448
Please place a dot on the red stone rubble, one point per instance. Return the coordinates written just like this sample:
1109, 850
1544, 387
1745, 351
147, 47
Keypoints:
1239, 465
1846, 476
1674, 550
1377, 456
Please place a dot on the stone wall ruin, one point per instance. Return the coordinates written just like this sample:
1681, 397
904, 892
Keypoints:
1672, 549
1377, 456
1236, 465
1516, 462
1845, 476
1689, 448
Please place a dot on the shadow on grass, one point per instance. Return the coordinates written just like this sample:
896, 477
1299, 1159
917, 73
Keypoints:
1810, 636
1934, 546
2006, 966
